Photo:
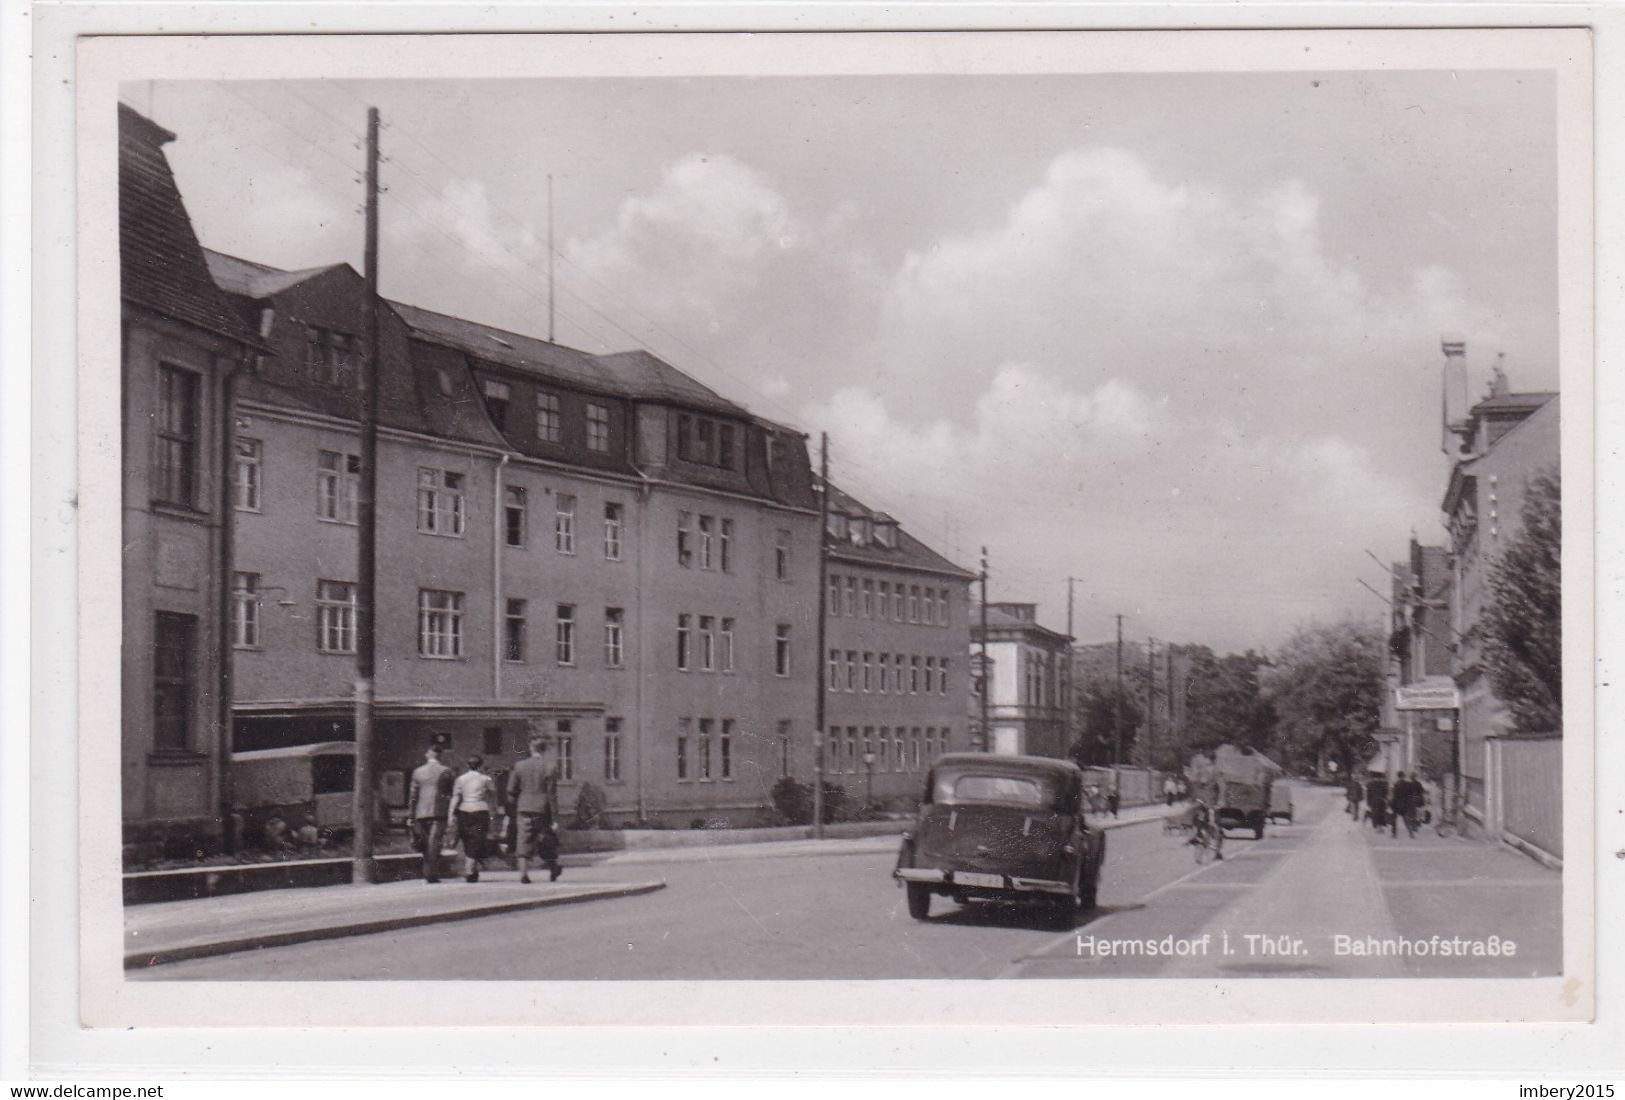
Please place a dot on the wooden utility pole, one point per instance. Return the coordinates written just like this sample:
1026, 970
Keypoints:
820, 670
1150, 701
550, 260
362, 868
987, 669
1117, 717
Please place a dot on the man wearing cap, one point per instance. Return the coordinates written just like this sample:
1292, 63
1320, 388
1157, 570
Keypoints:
533, 790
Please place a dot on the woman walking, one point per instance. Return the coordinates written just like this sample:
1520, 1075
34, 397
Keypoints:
473, 797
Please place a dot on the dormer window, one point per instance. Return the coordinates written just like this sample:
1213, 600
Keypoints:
706, 442
886, 533
332, 356
837, 526
858, 530
496, 402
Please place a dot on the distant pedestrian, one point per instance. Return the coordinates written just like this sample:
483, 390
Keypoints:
1376, 801
533, 790
473, 797
1170, 790
1356, 795
1113, 800
428, 800
1408, 799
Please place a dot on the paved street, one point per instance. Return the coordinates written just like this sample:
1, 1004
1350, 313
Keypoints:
840, 916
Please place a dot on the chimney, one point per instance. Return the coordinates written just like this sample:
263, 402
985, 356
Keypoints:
1455, 436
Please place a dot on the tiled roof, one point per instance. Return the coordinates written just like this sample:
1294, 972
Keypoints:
909, 553
251, 280
631, 374
161, 264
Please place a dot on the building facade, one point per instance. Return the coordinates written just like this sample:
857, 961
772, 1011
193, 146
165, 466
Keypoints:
1504, 439
1421, 704
182, 345
1029, 688
895, 673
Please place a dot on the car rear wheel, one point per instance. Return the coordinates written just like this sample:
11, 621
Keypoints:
919, 901
1088, 895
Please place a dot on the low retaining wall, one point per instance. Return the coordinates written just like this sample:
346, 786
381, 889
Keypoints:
181, 884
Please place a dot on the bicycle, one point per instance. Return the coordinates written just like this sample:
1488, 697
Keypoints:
1207, 839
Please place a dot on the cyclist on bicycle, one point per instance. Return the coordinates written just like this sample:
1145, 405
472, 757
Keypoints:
1206, 830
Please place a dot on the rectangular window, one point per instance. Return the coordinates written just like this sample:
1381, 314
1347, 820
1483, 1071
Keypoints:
513, 630
913, 603
682, 642
682, 749
897, 603
335, 617
564, 523
883, 600
942, 676
899, 670
781, 555
852, 749
832, 758
549, 421
725, 446
781, 649
612, 750
834, 671
705, 441
614, 637
708, 643
440, 623
704, 760
928, 608
440, 502
725, 546
496, 403
685, 438
849, 597
851, 670
942, 607
899, 760
685, 547
930, 675
705, 542
614, 529
868, 672
868, 747
338, 486
913, 675
245, 475
567, 753
564, 634
881, 755
725, 750
727, 643
597, 428
332, 356
173, 680
514, 515
174, 479
884, 673
245, 610
833, 599
868, 599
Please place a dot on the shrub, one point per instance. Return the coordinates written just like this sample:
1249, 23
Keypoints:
794, 802
590, 806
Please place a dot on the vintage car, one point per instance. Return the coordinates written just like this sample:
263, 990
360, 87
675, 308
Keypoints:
1002, 828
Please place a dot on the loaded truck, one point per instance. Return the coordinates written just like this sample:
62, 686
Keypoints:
1236, 784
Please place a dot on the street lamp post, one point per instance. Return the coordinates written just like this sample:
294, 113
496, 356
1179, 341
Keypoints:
868, 779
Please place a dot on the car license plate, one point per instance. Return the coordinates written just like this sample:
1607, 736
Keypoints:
970, 878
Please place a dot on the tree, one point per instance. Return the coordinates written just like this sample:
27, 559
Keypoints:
1225, 703
1098, 724
1326, 685
1523, 618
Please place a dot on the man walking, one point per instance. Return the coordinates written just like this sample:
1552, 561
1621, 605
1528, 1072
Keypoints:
1408, 798
429, 800
533, 790
1356, 795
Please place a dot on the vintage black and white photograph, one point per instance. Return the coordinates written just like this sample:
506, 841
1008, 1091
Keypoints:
1086, 522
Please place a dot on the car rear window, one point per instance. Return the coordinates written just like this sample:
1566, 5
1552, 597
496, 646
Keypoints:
991, 788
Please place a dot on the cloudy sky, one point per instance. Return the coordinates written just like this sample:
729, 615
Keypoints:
1173, 335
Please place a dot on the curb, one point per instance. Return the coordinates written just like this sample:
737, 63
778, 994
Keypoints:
141, 960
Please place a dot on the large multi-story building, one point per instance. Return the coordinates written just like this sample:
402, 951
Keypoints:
1030, 683
894, 663
596, 547
1503, 440
182, 343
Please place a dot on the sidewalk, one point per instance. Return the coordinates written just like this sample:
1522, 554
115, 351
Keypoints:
172, 931
157, 934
